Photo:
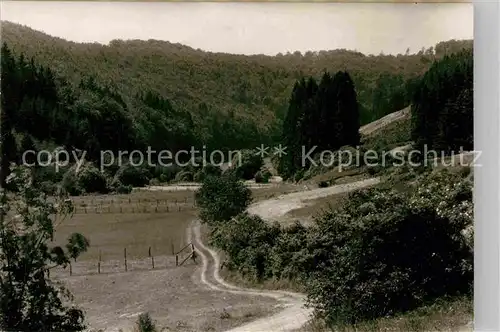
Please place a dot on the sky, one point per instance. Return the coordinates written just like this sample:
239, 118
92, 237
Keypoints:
252, 28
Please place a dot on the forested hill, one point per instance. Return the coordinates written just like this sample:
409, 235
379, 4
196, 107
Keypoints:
224, 100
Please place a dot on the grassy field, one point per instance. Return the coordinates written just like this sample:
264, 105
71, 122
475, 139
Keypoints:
136, 222
113, 298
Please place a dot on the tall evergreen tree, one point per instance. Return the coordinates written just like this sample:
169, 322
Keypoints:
347, 109
442, 105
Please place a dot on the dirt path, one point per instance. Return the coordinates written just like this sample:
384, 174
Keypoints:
384, 121
292, 315
274, 209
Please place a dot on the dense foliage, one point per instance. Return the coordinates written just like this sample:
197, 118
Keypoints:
442, 105
222, 198
169, 91
323, 116
380, 253
29, 299
388, 252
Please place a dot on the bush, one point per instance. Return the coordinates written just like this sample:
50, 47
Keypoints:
70, 183
247, 240
134, 176
262, 176
166, 174
145, 323
88, 179
48, 187
213, 170
154, 182
198, 176
390, 251
221, 198
208, 170
323, 184
123, 189
249, 165
91, 180
299, 175
289, 259
184, 176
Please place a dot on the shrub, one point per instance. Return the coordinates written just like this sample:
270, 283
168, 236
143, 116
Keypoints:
48, 187
29, 299
323, 184
48, 173
249, 165
145, 323
87, 179
221, 198
154, 182
289, 259
70, 184
247, 240
299, 175
164, 178
165, 173
390, 251
134, 176
91, 180
208, 170
262, 176
124, 189
184, 176
198, 176
213, 170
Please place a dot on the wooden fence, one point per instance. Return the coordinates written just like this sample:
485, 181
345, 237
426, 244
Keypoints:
151, 262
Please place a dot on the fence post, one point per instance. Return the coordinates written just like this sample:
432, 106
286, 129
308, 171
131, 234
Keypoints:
99, 263
149, 252
125, 258
176, 260
70, 269
153, 261
172, 245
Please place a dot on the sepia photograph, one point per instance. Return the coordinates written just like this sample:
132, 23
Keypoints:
237, 166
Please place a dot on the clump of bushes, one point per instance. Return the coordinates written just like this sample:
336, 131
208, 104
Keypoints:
247, 240
380, 253
323, 184
184, 176
221, 198
135, 176
165, 173
262, 176
123, 189
207, 170
247, 164
145, 323
390, 251
87, 179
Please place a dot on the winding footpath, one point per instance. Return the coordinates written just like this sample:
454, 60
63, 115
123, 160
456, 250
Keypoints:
293, 314
275, 208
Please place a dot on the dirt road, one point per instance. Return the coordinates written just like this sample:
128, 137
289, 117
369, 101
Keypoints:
292, 314
273, 209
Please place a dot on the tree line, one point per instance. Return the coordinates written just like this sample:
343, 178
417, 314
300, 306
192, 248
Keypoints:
327, 114
324, 115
